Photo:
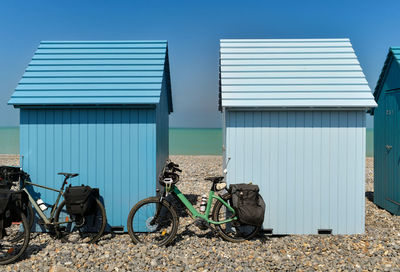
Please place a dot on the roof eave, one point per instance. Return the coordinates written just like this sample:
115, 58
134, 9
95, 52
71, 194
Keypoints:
294, 107
382, 77
167, 76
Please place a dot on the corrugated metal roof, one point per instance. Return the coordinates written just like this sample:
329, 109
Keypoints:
393, 54
94, 72
292, 73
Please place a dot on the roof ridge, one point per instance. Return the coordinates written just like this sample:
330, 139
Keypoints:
101, 41
287, 40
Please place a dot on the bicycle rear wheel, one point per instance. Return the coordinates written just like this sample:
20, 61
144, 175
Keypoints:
15, 238
80, 229
232, 231
153, 222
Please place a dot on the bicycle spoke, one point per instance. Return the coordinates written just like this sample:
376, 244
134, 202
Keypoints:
151, 222
232, 231
80, 229
14, 241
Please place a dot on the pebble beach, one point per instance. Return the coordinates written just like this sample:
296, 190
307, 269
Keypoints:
197, 250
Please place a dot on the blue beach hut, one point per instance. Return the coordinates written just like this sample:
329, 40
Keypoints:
101, 109
386, 135
294, 123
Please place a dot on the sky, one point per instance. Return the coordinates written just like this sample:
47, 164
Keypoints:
193, 30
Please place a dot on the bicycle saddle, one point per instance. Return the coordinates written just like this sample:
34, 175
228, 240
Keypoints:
69, 175
214, 179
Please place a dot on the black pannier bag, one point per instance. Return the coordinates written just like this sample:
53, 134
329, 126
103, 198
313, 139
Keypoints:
248, 204
5, 215
8, 175
5, 197
80, 200
12, 203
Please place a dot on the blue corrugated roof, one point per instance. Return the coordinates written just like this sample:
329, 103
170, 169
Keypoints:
95, 72
393, 54
292, 73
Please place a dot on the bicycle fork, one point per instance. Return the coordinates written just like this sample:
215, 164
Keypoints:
158, 211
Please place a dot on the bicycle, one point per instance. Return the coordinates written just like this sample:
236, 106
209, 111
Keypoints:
14, 227
154, 220
62, 224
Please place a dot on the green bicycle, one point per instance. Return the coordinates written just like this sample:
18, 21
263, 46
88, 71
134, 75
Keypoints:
154, 220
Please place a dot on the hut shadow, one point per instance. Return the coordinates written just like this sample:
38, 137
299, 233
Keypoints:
109, 232
370, 196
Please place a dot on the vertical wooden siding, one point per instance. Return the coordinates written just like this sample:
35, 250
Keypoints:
112, 149
386, 131
309, 166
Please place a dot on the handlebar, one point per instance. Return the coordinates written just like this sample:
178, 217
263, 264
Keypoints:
171, 164
10, 176
174, 167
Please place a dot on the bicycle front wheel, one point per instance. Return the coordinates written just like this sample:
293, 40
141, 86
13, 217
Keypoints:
153, 222
232, 231
14, 238
80, 229
30, 216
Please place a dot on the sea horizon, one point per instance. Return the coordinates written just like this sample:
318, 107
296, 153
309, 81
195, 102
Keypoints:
182, 141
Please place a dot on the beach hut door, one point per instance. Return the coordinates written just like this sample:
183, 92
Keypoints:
390, 166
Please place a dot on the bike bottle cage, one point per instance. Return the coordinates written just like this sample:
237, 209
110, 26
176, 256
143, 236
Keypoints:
168, 183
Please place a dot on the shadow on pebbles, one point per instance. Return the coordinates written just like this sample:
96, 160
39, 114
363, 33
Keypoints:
197, 250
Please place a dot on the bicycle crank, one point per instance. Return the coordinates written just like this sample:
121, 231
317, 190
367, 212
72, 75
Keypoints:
201, 223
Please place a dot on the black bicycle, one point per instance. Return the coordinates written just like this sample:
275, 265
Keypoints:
81, 219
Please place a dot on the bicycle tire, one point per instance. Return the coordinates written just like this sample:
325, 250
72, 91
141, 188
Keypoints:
14, 253
231, 233
30, 217
83, 231
150, 229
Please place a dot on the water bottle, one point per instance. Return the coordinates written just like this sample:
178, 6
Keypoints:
203, 203
41, 204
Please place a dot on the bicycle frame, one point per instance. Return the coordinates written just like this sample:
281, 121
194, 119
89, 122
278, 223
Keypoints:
206, 214
47, 220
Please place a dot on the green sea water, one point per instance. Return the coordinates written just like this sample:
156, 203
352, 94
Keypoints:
195, 141
9, 140
182, 141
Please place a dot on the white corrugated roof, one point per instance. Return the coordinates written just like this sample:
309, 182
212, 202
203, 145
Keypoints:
292, 73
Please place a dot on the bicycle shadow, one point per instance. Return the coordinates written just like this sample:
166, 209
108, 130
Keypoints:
32, 250
181, 235
262, 237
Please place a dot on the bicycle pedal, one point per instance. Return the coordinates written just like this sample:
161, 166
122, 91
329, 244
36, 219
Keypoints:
201, 224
